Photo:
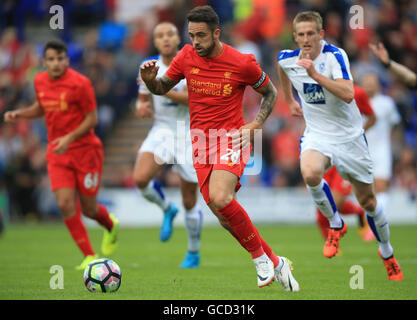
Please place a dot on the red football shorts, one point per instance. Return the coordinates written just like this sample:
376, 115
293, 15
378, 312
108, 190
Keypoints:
336, 182
78, 169
229, 161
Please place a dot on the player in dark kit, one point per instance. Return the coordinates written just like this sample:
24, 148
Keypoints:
217, 76
75, 154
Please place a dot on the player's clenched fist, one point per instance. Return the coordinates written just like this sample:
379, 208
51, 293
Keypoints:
149, 70
307, 64
11, 116
295, 109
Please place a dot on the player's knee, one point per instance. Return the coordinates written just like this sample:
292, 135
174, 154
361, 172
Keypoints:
220, 200
141, 181
312, 177
368, 202
66, 206
189, 202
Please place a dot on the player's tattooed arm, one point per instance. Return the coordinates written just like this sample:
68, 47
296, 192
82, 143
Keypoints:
159, 86
269, 98
242, 138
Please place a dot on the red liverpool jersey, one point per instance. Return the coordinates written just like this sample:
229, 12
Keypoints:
216, 85
65, 102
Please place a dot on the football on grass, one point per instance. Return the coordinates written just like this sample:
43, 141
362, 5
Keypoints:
102, 275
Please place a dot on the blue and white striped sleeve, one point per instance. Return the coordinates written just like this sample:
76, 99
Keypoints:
340, 66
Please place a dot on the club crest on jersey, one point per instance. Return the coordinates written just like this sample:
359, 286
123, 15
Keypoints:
314, 93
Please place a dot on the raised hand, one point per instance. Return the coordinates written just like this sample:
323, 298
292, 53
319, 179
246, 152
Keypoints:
380, 52
149, 70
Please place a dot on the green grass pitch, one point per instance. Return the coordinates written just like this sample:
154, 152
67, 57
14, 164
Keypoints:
150, 269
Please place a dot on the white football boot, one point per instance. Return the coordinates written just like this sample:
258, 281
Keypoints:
285, 277
265, 270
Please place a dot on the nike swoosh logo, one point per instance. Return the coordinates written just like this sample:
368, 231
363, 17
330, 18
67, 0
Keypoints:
262, 279
289, 282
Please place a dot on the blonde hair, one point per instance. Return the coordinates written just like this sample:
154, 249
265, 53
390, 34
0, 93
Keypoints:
309, 16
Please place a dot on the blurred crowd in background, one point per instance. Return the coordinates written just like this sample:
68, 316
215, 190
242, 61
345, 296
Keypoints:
107, 40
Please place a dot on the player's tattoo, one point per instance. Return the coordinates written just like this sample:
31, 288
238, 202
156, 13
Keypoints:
160, 86
270, 95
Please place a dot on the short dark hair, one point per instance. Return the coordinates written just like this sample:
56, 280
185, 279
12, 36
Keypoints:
57, 45
204, 14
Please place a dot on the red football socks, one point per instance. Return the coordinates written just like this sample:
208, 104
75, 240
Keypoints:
103, 217
351, 208
79, 233
245, 231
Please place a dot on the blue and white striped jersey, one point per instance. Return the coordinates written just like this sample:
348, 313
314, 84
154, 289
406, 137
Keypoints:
327, 117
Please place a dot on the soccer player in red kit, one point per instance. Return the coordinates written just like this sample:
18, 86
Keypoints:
342, 188
75, 154
217, 76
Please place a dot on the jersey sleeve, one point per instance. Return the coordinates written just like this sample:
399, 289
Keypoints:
176, 71
87, 96
362, 101
340, 66
253, 74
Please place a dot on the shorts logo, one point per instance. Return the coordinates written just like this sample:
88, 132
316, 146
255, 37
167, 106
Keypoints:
91, 180
231, 157
314, 93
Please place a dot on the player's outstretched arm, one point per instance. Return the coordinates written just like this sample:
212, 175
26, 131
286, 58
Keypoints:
159, 86
405, 74
34, 111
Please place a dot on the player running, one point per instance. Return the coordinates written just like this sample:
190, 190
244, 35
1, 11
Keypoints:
341, 188
379, 136
171, 113
217, 76
334, 134
75, 154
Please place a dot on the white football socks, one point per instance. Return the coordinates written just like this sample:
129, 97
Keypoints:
378, 222
193, 224
153, 193
324, 201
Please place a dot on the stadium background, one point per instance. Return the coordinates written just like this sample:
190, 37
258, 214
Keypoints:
107, 40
